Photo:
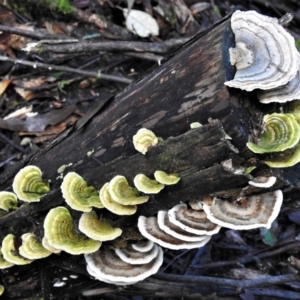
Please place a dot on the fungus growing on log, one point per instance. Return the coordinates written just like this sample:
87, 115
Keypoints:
143, 246
4, 264
167, 179
8, 201
144, 139
99, 230
1, 289
28, 184
263, 182
191, 220
10, 253
49, 247
247, 213
106, 266
31, 248
281, 132
147, 185
60, 233
149, 229
113, 206
263, 47
78, 194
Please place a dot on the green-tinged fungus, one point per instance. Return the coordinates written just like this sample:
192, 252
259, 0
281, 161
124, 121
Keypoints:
147, 185
49, 247
96, 229
29, 185
60, 233
78, 194
281, 132
113, 206
4, 264
122, 193
31, 248
144, 139
165, 178
10, 253
8, 201
195, 125
1, 289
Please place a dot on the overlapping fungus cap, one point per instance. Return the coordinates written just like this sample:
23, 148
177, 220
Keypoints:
106, 266
96, 229
122, 193
191, 220
147, 185
78, 194
265, 55
4, 264
113, 206
8, 201
135, 257
144, 139
281, 132
143, 246
60, 233
165, 178
149, 229
247, 213
263, 181
49, 247
31, 248
28, 184
10, 253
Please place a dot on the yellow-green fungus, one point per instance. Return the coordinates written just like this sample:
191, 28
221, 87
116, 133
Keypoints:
281, 132
96, 229
60, 233
144, 139
8, 201
29, 186
147, 185
78, 194
165, 178
4, 264
1, 289
49, 247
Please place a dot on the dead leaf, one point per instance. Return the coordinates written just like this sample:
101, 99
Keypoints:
3, 85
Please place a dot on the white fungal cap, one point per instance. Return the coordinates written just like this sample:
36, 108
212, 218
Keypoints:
194, 221
134, 257
248, 213
143, 246
175, 231
150, 229
263, 182
265, 55
106, 266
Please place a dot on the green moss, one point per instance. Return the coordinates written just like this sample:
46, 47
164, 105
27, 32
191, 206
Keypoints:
62, 6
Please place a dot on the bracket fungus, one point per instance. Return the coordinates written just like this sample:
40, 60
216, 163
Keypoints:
106, 266
49, 247
247, 213
28, 184
99, 230
165, 178
78, 194
282, 132
8, 201
263, 182
150, 229
31, 248
10, 253
143, 246
122, 193
191, 220
265, 55
144, 139
60, 233
113, 206
4, 264
147, 185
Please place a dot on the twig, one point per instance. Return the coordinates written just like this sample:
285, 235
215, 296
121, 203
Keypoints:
274, 293
67, 69
7, 140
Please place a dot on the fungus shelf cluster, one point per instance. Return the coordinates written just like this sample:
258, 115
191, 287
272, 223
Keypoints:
267, 61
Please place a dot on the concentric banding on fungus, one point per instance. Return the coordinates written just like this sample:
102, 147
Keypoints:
265, 55
248, 213
4, 264
99, 230
263, 181
31, 248
122, 193
113, 206
28, 184
150, 230
60, 233
165, 178
281, 132
49, 247
78, 194
194, 221
143, 246
10, 253
147, 185
8, 201
144, 139
175, 231
105, 265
